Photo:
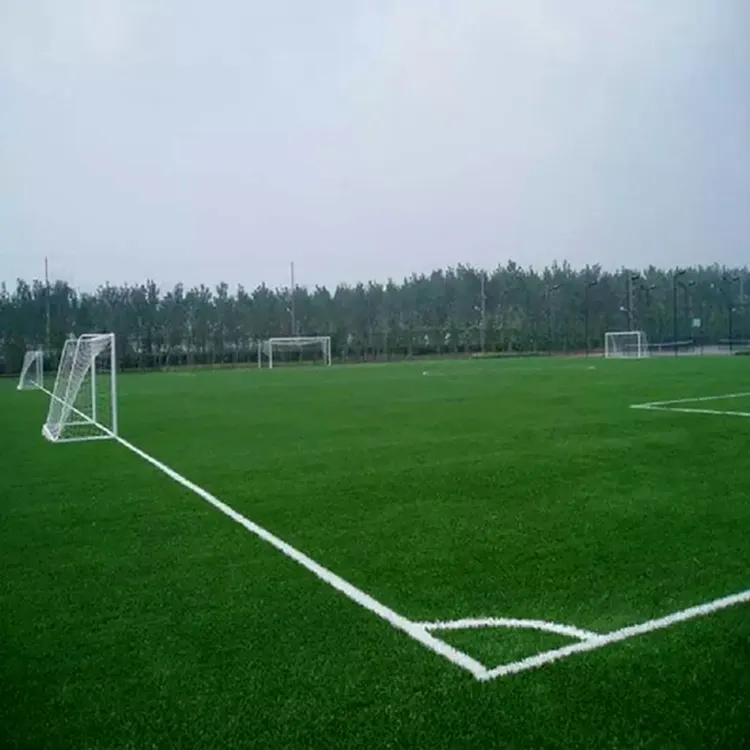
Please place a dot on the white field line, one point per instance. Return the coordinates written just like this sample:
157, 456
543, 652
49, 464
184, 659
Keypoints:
616, 636
459, 658
420, 631
686, 410
510, 622
672, 405
698, 400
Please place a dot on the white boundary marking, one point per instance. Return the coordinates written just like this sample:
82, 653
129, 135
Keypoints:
459, 658
589, 641
684, 410
616, 636
671, 405
420, 631
510, 622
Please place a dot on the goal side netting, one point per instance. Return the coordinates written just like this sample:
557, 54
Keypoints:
32, 371
83, 403
295, 350
625, 344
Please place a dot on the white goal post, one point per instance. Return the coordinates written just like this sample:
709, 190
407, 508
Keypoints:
298, 344
32, 371
83, 403
628, 344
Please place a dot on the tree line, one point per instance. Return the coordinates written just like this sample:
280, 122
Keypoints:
451, 311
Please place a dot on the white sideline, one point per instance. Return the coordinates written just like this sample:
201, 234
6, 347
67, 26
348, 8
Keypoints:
459, 658
420, 631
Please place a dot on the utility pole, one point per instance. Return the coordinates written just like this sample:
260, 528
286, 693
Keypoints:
291, 302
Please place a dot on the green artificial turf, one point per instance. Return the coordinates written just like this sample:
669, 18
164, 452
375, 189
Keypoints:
135, 615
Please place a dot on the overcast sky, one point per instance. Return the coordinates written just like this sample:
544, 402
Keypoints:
205, 141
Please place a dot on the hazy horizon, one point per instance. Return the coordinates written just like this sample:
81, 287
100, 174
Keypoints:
198, 143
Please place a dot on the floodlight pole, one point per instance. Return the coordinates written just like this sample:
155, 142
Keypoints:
675, 276
291, 301
631, 317
47, 305
684, 287
648, 288
550, 288
589, 284
482, 312
727, 292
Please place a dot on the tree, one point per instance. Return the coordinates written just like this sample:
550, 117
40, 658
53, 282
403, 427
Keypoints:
424, 314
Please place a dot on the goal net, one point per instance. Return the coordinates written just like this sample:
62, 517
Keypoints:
32, 371
631, 344
297, 350
83, 403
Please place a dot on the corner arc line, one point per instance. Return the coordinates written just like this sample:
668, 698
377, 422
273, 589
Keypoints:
512, 623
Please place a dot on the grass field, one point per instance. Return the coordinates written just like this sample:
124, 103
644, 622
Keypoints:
134, 615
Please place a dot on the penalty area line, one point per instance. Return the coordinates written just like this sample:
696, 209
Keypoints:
415, 630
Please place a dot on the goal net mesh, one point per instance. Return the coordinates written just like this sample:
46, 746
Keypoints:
625, 344
298, 350
83, 403
32, 371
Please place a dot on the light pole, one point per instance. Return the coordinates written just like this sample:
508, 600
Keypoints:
632, 277
47, 309
727, 292
686, 298
589, 284
647, 288
291, 301
481, 308
482, 312
675, 278
550, 288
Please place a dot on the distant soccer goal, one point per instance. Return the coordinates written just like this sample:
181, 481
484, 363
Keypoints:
83, 403
296, 349
32, 371
629, 344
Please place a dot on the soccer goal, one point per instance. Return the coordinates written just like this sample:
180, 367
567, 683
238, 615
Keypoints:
32, 371
310, 349
83, 403
631, 344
